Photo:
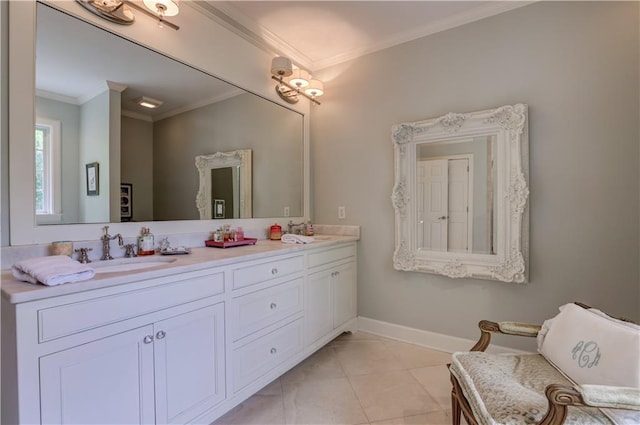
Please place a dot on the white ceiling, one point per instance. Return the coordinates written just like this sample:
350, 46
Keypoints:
317, 34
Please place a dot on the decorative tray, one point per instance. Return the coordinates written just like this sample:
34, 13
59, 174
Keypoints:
176, 251
228, 244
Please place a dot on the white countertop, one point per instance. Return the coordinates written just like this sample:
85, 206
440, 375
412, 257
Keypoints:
200, 258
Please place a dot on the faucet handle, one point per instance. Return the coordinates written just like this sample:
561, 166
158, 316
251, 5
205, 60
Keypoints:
129, 252
83, 256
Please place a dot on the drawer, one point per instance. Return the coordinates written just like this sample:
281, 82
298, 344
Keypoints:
257, 310
330, 255
258, 357
56, 322
267, 270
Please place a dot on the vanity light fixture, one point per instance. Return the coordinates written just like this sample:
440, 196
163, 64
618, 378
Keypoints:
119, 11
294, 82
162, 8
148, 102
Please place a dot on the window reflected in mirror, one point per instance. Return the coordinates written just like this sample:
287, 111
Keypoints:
455, 190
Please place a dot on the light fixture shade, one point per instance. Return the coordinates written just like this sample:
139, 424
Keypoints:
299, 78
149, 102
281, 66
315, 88
162, 7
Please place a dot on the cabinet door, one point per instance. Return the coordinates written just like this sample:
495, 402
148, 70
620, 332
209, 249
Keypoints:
318, 316
109, 381
189, 363
344, 293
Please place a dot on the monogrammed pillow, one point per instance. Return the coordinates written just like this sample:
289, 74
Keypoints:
592, 348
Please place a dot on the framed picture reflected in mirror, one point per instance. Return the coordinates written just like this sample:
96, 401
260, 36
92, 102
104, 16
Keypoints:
126, 202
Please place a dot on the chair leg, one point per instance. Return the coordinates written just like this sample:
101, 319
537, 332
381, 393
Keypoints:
455, 409
455, 404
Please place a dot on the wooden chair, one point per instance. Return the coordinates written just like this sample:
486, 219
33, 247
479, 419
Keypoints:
564, 400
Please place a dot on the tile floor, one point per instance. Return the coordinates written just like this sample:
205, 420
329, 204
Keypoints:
357, 378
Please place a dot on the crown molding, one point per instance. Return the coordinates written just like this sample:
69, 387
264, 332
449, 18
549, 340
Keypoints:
57, 97
261, 37
246, 28
459, 19
228, 95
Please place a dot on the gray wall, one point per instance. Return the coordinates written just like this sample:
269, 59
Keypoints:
136, 162
576, 65
241, 122
94, 147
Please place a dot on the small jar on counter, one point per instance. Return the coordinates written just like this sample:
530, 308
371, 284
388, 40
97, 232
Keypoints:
275, 232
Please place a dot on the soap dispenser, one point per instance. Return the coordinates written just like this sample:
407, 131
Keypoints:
145, 242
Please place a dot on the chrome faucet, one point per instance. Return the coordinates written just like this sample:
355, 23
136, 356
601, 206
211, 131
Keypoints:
297, 229
106, 240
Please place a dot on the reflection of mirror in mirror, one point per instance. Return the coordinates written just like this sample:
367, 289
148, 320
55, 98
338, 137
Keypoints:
225, 185
225, 191
455, 189
88, 81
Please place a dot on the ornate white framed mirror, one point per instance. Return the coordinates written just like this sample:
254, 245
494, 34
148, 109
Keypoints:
461, 195
225, 185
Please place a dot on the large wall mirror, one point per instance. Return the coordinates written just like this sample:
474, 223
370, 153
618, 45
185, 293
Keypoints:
460, 195
91, 84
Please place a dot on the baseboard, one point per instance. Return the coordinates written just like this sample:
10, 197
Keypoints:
436, 341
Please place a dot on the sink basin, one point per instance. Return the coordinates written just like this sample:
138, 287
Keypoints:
129, 264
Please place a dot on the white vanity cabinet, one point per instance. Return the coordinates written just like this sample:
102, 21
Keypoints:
166, 372
122, 367
151, 351
331, 292
265, 317
179, 347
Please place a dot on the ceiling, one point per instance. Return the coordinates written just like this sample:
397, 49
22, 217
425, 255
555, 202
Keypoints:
317, 34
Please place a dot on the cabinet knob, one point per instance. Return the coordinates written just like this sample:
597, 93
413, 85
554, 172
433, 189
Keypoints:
273, 350
148, 339
273, 306
160, 334
274, 271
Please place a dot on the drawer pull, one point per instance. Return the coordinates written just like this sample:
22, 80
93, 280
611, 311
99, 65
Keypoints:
148, 339
274, 271
273, 350
160, 335
273, 306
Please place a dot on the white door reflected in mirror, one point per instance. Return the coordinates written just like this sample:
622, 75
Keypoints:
455, 183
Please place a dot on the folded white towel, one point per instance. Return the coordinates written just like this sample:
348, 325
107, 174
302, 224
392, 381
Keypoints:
51, 270
291, 238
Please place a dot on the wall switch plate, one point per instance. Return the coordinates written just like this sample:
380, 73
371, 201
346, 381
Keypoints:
342, 213
287, 211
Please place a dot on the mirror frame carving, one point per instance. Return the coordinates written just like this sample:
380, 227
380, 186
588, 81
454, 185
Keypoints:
510, 263
206, 163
